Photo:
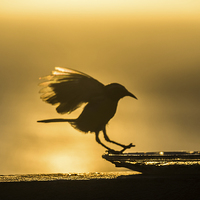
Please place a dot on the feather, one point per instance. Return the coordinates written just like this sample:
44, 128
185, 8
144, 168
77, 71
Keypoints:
69, 88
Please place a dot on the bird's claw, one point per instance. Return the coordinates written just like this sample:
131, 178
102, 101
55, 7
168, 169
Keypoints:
112, 151
127, 147
130, 145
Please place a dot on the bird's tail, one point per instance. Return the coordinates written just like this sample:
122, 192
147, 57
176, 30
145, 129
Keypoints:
56, 120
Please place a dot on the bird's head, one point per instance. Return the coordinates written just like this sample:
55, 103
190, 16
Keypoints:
116, 91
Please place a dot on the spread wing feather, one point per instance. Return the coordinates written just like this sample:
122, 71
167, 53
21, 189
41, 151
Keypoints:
69, 88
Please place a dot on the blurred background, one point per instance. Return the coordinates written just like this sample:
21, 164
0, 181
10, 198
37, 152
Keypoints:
150, 47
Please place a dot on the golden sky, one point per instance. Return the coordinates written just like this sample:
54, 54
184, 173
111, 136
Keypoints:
174, 7
157, 60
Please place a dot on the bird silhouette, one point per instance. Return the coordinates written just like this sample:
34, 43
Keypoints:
70, 89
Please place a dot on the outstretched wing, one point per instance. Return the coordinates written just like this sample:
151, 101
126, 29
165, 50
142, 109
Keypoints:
69, 88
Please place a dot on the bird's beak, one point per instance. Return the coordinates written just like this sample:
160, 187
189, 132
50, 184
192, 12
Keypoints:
131, 95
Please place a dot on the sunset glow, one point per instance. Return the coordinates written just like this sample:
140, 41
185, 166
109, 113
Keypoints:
101, 7
154, 57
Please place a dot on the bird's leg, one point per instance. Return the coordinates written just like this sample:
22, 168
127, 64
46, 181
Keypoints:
108, 140
99, 141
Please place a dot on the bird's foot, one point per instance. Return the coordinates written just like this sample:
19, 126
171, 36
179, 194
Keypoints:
127, 147
112, 151
130, 145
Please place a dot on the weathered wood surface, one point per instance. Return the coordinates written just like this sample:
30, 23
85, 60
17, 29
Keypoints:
179, 162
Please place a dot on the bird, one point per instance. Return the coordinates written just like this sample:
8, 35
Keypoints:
69, 89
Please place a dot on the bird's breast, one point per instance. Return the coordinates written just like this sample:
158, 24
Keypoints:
96, 114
